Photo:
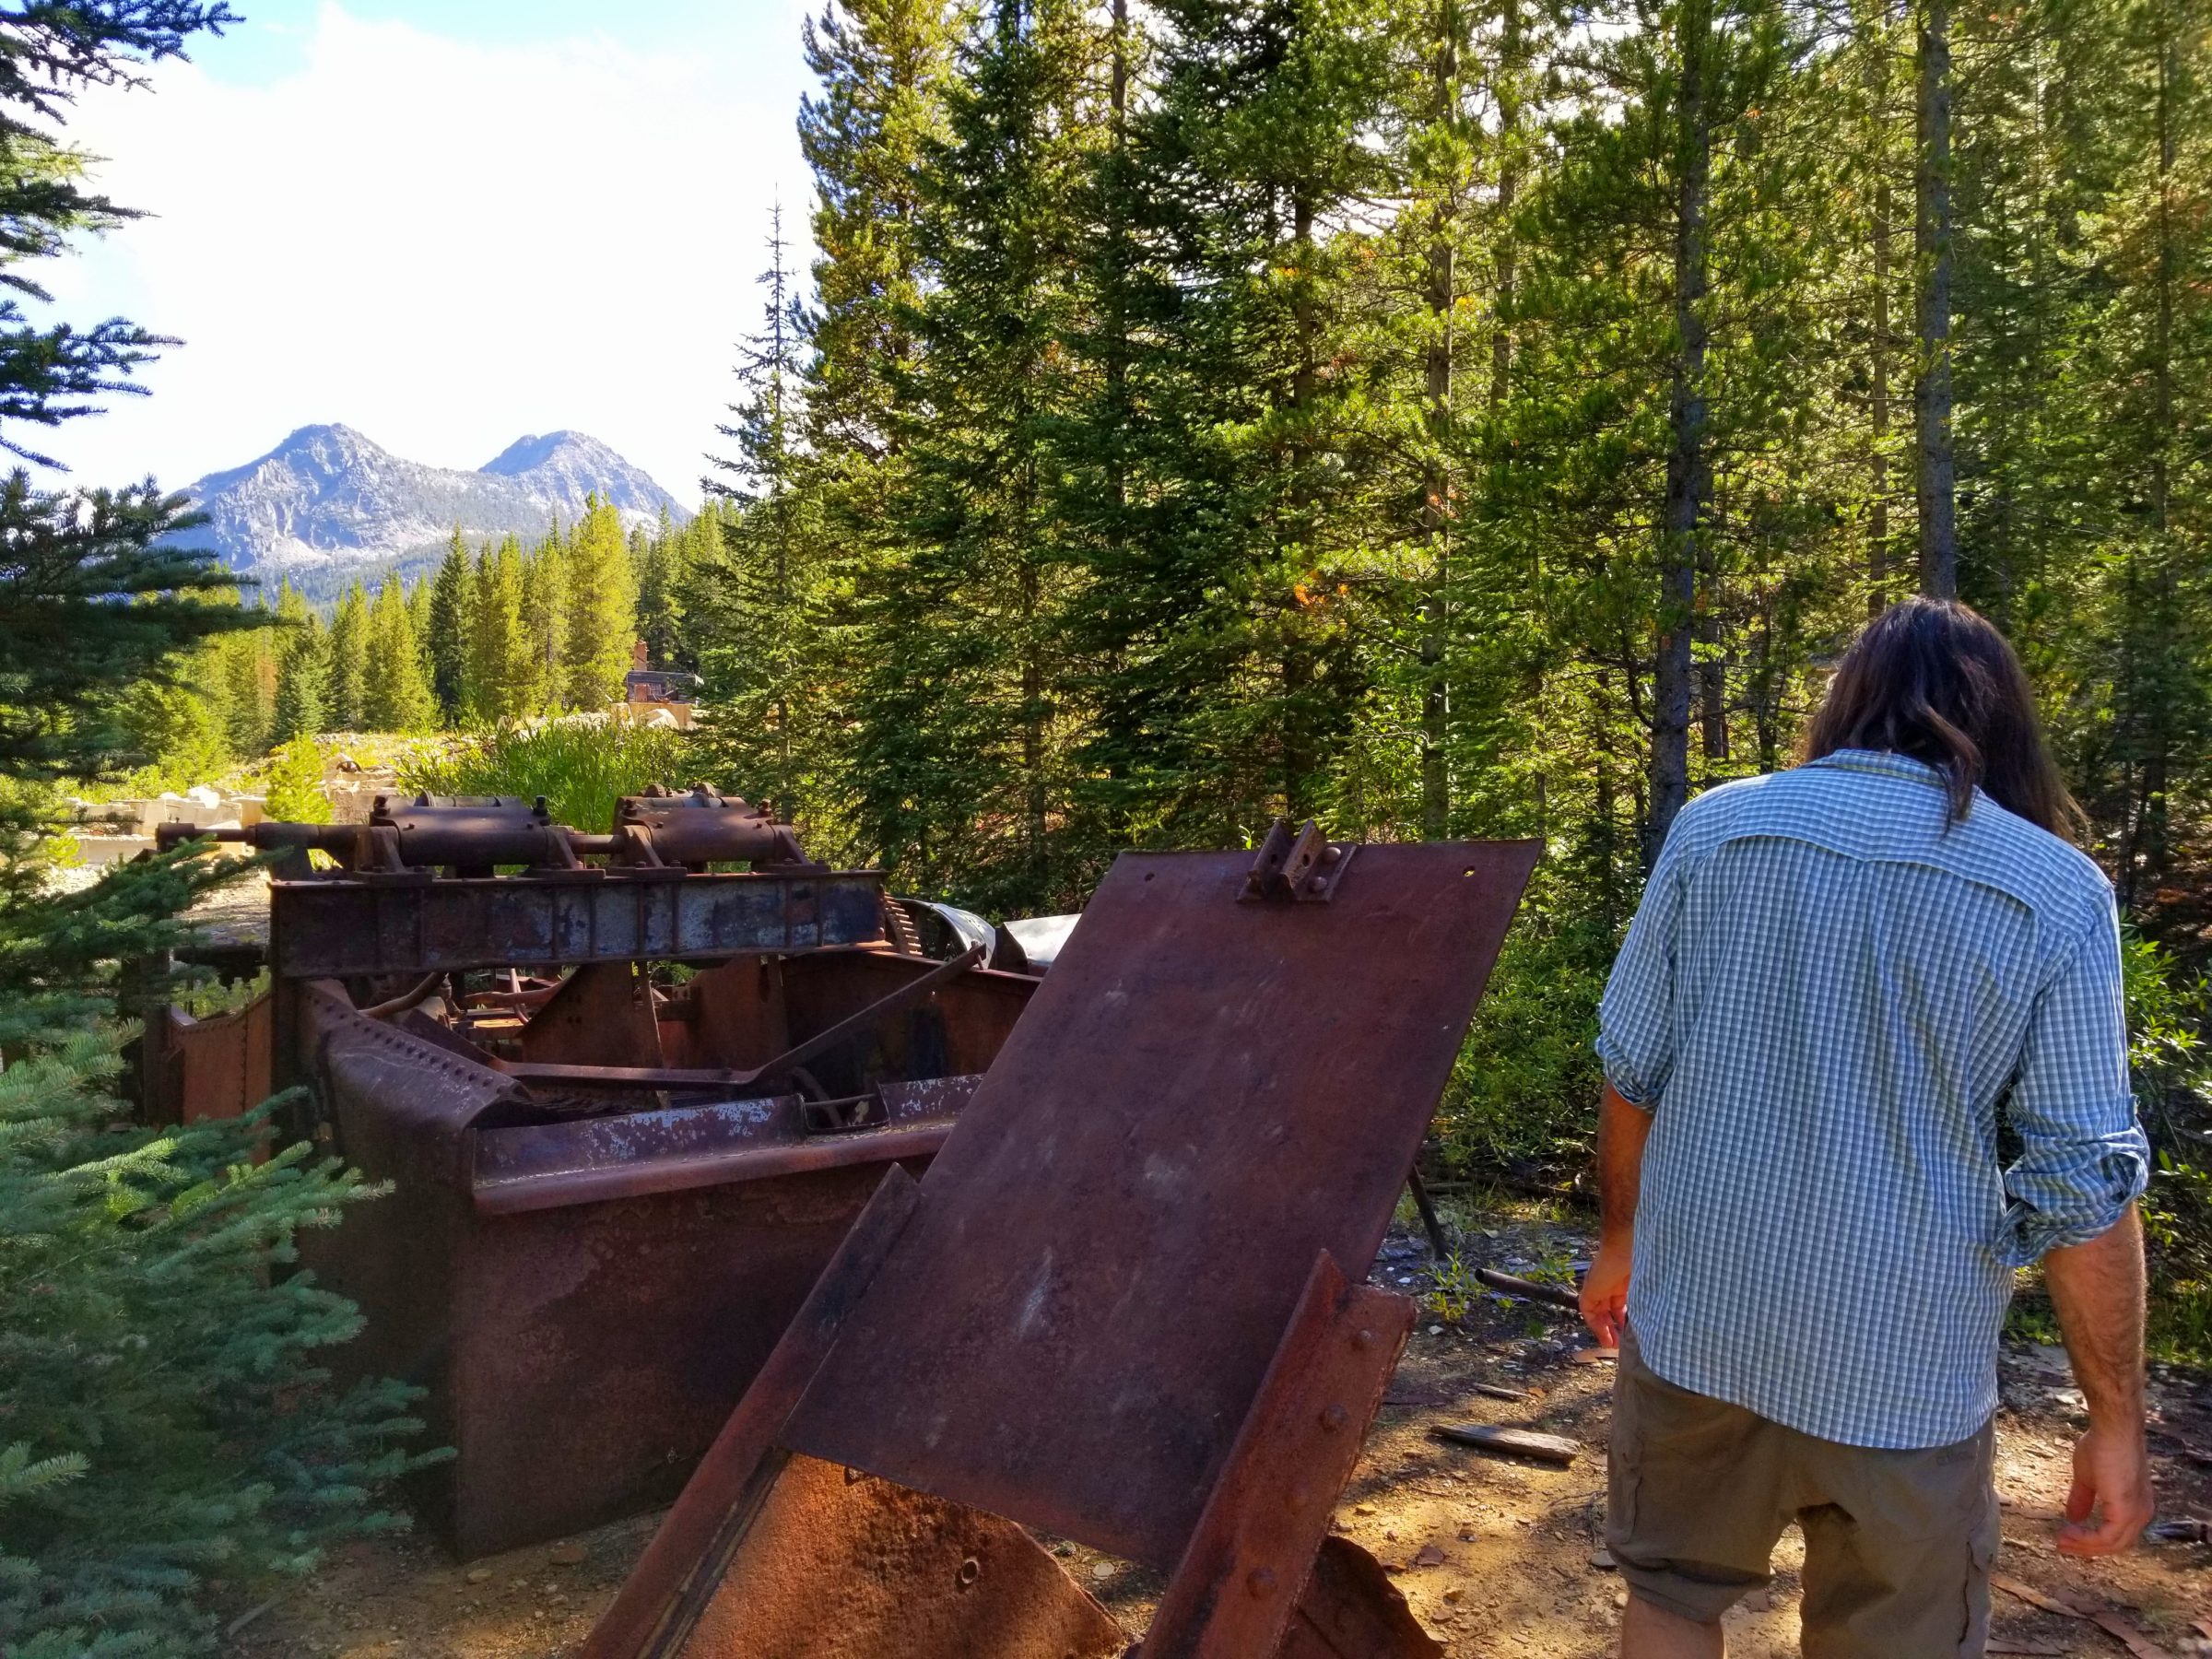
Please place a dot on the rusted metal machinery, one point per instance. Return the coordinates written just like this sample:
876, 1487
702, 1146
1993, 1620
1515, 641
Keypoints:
629, 1103
1124, 1305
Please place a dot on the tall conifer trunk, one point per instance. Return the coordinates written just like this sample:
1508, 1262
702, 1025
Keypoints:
1935, 482
1689, 468
1436, 488
1877, 342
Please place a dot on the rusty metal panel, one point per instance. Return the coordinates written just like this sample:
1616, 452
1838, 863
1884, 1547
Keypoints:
601, 1014
682, 1568
1244, 1569
341, 927
1202, 1097
217, 1067
837, 1566
1351, 1610
595, 1350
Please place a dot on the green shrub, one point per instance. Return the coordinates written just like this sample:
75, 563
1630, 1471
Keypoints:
2166, 1016
164, 1420
1522, 1098
295, 784
581, 768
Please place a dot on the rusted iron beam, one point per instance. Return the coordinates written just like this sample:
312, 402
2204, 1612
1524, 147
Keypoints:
339, 928
1245, 1568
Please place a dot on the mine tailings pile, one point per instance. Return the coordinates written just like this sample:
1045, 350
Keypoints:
921, 1254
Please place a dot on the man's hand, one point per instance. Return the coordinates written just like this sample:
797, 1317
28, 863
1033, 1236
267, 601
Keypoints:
2111, 1483
1621, 1131
2097, 1289
1606, 1291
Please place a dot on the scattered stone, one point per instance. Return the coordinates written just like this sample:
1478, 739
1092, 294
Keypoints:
477, 1575
1620, 1598
1363, 1509
1453, 1593
1428, 1555
1603, 1561
566, 1555
1103, 1570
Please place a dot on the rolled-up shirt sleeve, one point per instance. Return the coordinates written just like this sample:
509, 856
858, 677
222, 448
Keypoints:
1636, 1016
2084, 1158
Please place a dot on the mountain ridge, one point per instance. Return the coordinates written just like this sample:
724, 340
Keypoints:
328, 503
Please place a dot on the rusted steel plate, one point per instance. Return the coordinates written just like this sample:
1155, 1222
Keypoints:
584, 1331
601, 1014
339, 928
662, 1600
217, 1067
1244, 1569
1202, 1097
1351, 1610
837, 1566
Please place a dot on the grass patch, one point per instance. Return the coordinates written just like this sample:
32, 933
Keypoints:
581, 768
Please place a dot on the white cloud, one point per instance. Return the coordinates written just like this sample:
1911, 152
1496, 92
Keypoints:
443, 244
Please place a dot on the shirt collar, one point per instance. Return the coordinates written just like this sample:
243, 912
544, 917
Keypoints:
1883, 763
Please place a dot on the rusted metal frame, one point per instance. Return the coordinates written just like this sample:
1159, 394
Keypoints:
673, 1582
852, 1025
343, 927
517, 1195
1246, 1564
601, 1012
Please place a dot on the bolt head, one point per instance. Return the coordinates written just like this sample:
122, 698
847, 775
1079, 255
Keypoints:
1363, 1340
1333, 1417
1260, 1581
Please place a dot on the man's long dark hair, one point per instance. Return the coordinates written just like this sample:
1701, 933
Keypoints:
1932, 679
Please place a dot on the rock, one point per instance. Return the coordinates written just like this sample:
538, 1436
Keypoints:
1428, 1555
478, 1575
1453, 1593
1620, 1598
1363, 1509
566, 1555
1603, 1561
1103, 1570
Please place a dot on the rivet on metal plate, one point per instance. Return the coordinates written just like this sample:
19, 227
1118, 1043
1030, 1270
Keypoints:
1333, 1417
1363, 1339
1260, 1581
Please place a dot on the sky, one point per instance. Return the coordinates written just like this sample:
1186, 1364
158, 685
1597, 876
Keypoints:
444, 223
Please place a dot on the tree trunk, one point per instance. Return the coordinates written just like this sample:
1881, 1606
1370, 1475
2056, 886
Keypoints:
1936, 485
1877, 344
1689, 469
1436, 486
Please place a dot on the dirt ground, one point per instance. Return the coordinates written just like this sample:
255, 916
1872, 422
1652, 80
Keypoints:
1497, 1557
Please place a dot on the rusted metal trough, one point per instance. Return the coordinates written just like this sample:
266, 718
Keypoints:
1126, 1304
628, 1104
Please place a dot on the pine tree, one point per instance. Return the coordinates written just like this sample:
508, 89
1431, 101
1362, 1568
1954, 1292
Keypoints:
301, 669
447, 633
1230, 628
662, 582
883, 66
537, 686
346, 685
245, 687
395, 694
496, 649
757, 595
961, 740
599, 621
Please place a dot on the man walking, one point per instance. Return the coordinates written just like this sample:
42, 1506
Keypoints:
1848, 987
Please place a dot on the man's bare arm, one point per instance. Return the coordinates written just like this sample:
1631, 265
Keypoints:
1621, 1131
2098, 1290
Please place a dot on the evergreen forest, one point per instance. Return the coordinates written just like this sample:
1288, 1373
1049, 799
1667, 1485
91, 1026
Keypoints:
1461, 417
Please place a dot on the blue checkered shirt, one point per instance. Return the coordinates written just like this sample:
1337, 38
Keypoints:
1829, 1000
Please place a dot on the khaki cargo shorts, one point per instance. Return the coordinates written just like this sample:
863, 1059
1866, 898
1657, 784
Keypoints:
1897, 1545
